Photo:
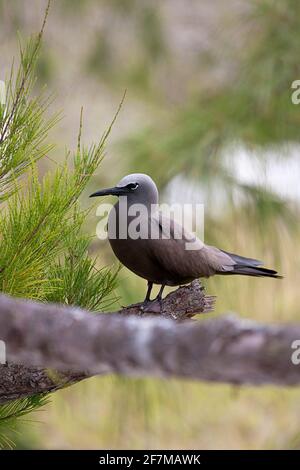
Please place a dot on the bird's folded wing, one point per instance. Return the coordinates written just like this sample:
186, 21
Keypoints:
182, 254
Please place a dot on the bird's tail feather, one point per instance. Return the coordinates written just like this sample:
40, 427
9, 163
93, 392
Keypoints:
243, 261
249, 267
256, 271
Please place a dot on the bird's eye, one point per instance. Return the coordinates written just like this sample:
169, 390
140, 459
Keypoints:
132, 186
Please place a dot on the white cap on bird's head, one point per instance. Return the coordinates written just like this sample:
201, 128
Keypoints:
138, 187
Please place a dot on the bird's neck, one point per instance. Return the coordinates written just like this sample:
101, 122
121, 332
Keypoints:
126, 205
123, 213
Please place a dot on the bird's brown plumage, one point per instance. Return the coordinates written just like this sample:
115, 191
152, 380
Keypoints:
167, 261
166, 258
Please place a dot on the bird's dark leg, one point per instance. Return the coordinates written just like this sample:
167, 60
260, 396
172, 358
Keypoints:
150, 285
156, 305
159, 295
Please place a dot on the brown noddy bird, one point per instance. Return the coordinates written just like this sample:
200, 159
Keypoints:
163, 258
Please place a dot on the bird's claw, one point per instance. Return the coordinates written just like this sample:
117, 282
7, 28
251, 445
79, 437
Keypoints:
152, 306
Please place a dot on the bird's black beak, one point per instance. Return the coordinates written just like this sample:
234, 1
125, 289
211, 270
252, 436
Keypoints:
117, 191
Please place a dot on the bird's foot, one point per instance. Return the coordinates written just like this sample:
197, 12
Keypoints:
152, 306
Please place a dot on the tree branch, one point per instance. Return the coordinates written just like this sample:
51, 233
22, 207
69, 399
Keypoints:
181, 304
227, 349
19, 381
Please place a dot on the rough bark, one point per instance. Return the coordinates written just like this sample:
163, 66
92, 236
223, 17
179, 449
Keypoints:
181, 304
227, 349
19, 380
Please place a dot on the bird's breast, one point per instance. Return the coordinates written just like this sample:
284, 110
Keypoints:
133, 251
162, 261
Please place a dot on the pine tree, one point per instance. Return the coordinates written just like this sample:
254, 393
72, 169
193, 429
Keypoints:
43, 250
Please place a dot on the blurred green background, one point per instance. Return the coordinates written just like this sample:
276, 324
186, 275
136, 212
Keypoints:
208, 114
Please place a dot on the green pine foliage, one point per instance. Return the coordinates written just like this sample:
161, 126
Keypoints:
12, 414
76, 280
43, 250
23, 127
